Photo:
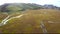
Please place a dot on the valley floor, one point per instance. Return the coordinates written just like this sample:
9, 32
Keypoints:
32, 21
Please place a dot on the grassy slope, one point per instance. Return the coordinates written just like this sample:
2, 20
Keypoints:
2, 16
31, 22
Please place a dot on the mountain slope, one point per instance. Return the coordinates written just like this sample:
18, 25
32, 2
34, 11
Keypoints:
19, 7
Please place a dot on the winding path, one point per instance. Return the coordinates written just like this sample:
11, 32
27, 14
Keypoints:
8, 18
43, 27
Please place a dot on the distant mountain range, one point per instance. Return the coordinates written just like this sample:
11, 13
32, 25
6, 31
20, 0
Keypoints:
15, 7
50, 6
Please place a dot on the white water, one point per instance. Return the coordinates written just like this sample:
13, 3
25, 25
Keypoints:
7, 19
